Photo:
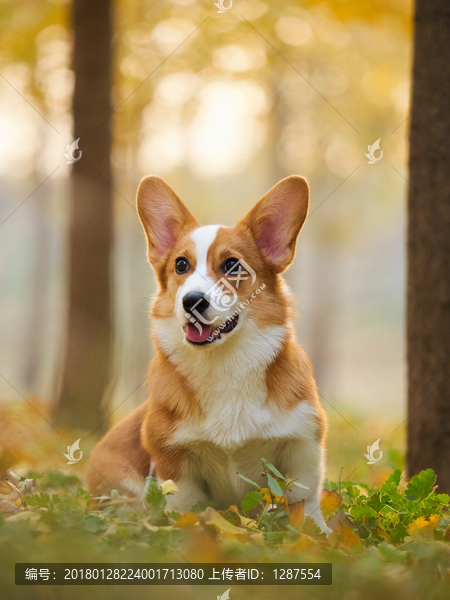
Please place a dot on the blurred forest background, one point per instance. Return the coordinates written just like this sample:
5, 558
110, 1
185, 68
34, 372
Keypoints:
221, 108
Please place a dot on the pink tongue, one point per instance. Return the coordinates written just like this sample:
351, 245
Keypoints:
194, 335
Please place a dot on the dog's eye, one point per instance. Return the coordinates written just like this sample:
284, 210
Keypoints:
231, 266
181, 265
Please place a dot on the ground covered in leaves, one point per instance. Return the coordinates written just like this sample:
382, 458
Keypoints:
390, 542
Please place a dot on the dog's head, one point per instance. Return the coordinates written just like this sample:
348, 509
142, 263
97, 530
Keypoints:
213, 279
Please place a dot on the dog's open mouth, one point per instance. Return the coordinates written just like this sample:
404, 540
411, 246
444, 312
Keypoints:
201, 334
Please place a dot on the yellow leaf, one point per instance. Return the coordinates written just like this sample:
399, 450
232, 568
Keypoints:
168, 487
247, 522
297, 513
344, 535
213, 518
422, 529
330, 501
187, 520
304, 543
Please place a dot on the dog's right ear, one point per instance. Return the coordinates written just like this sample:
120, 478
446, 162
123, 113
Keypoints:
163, 217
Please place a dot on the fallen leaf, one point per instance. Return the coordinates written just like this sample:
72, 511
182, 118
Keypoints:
27, 515
297, 513
422, 529
247, 522
232, 513
330, 501
303, 544
213, 518
339, 517
187, 520
344, 535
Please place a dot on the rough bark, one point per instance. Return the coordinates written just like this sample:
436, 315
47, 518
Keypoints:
88, 355
428, 309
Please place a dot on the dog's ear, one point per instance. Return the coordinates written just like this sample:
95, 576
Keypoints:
275, 221
163, 216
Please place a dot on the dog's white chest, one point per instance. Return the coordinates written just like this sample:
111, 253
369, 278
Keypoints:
233, 413
233, 440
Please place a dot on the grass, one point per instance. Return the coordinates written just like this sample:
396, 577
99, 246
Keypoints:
390, 540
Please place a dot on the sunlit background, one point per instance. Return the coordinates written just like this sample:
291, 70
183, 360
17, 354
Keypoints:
254, 94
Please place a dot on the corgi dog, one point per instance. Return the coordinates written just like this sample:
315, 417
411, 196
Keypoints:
229, 384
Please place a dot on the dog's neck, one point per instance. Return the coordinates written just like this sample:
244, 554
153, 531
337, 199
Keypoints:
239, 363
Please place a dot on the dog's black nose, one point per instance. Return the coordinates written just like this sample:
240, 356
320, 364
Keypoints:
195, 301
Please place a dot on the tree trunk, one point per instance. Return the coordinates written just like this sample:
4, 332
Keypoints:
37, 317
88, 354
429, 246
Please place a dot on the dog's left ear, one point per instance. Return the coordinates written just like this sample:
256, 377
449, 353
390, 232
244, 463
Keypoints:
275, 221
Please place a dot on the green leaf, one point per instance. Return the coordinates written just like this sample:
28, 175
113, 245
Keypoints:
328, 485
444, 524
363, 511
391, 554
174, 515
398, 533
200, 507
249, 481
155, 497
300, 485
352, 491
272, 468
93, 524
443, 498
251, 500
378, 500
39, 500
392, 482
421, 485
274, 486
